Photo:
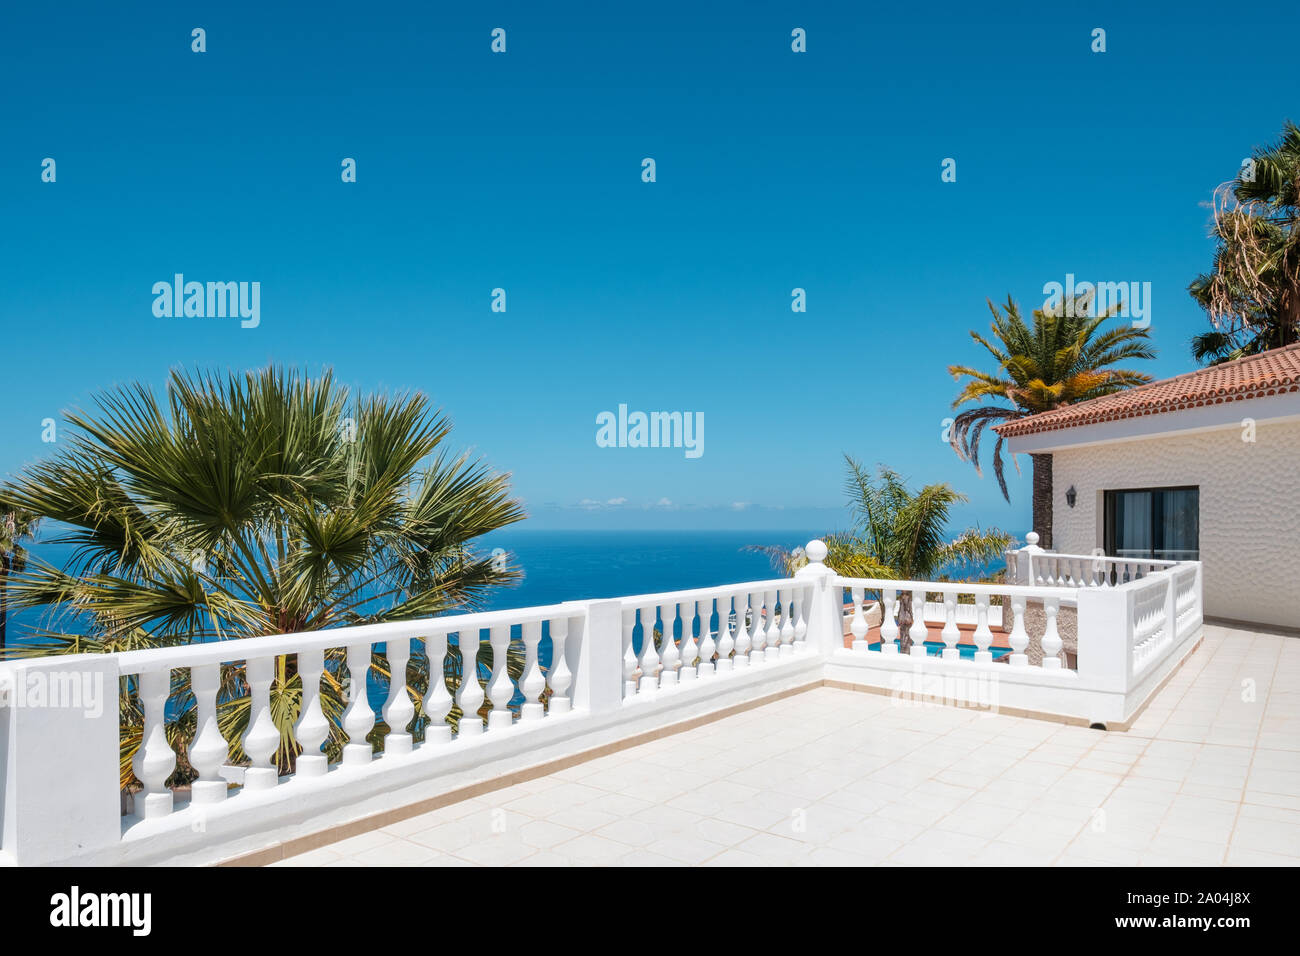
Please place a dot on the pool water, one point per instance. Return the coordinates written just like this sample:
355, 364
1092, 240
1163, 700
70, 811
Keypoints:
967, 651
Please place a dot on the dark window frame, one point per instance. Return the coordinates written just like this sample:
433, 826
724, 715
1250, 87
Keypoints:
1157, 516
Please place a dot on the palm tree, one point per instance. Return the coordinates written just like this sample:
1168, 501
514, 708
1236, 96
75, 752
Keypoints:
899, 535
252, 504
1252, 296
16, 527
1064, 357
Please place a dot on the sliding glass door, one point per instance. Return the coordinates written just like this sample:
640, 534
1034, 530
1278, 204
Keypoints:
1158, 523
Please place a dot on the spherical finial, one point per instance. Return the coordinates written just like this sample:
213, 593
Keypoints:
1031, 539
816, 551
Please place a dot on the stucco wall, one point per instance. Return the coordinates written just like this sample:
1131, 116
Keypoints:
1250, 509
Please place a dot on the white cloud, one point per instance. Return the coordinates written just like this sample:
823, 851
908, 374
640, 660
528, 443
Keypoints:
664, 503
615, 502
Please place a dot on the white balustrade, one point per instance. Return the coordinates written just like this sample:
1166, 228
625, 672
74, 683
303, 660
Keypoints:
438, 701
560, 676
500, 688
469, 695
208, 750
532, 684
631, 666
649, 656
983, 635
154, 762
757, 629
787, 623
951, 633
1019, 638
689, 649
358, 719
918, 632
399, 711
782, 624
858, 626
888, 624
669, 657
262, 739
708, 646
313, 727
801, 625
742, 643
1051, 636
726, 634
772, 631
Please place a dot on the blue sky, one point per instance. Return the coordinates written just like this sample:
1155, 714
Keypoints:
522, 171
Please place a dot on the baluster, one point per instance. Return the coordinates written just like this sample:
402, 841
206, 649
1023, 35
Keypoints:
630, 663
787, 621
154, 762
918, 631
532, 684
649, 657
1051, 637
668, 655
358, 719
858, 626
313, 727
208, 750
1019, 636
398, 709
742, 633
757, 629
951, 633
500, 689
983, 635
772, 634
689, 650
262, 738
889, 626
437, 699
560, 676
726, 634
708, 646
801, 625
469, 695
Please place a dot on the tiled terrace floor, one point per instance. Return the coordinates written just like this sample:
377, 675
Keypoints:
1209, 774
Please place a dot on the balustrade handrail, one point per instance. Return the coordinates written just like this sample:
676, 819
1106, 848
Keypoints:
937, 587
1107, 558
153, 659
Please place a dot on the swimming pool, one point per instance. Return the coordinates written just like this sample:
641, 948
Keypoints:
967, 651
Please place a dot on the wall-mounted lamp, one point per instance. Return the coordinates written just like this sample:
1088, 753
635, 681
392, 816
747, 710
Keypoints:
1070, 496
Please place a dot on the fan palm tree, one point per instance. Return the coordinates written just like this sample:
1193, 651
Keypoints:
244, 505
1252, 295
1064, 357
899, 535
16, 527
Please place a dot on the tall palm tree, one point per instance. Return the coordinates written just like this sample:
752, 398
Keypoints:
16, 527
900, 535
1252, 295
1064, 357
252, 504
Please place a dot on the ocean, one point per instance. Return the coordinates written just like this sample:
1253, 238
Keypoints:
575, 565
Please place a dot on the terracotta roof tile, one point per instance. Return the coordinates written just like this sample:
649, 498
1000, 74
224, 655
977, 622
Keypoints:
1269, 373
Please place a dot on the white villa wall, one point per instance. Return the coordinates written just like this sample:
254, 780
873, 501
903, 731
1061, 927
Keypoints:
1250, 508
